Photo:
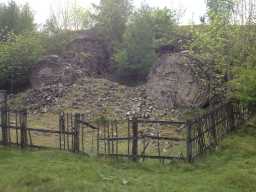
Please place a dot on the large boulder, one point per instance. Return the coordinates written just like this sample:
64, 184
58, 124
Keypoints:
175, 82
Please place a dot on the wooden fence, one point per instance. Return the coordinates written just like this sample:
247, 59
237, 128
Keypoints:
206, 131
135, 139
70, 135
143, 139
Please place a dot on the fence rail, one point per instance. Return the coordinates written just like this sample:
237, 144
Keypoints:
135, 139
206, 131
143, 139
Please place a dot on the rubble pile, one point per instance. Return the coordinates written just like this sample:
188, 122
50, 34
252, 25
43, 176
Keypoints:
39, 100
93, 97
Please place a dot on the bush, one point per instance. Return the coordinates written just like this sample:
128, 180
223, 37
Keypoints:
56, 43
245, 85
15, 19
17, 56
147, 30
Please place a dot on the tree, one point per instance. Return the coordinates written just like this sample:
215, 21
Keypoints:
244, 82
147, 29
245, 11
56, 43
17, 55
163, 24
60, 28
111, 17
15, 19
70, 17
220, 8
226, 45
213, 45
244, 85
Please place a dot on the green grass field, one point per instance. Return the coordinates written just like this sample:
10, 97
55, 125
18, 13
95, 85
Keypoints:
231, 169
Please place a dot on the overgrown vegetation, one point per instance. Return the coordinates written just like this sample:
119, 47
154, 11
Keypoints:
226, 46
70, 17
17, 55
231, 169
15, 19
147, 30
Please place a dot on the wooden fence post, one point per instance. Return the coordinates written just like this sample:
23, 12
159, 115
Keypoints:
189, 142
134, 139
214, 139
62, 134
3, 98
4, 125
231, 116
4, 117
98, 140
23, 129
76, 146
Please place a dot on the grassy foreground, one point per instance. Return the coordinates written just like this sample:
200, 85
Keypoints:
231, 169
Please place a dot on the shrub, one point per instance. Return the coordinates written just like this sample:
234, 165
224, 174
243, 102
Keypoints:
245, 85
147, 30
17, 56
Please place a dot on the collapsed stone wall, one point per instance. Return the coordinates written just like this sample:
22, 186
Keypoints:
173, 82
53, 70
84, 56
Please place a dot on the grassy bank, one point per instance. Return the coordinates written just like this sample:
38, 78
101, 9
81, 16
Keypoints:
231, 169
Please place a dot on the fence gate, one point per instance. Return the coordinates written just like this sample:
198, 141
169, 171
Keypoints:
88, 136
112, 142
77, 135
138, 139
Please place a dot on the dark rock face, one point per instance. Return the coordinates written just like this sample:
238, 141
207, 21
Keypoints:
84, 56
174, 83
46, 71
52, 70
91, 55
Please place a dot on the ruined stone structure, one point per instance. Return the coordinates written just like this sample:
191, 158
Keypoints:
84, 56
173, 82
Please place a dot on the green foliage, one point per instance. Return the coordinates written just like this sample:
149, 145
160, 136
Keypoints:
111, 17
214, 45
245, 46
20, 46
227, 49
220, 8
244, 85
164, 26
213, 41
15, 19
56, 43
17, 55
147, 29
71, 17
211, 44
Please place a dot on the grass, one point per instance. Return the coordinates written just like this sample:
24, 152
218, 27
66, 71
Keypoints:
231, 169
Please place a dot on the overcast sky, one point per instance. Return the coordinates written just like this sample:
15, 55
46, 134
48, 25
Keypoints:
190, 9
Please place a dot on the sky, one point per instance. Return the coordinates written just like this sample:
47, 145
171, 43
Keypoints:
190, 10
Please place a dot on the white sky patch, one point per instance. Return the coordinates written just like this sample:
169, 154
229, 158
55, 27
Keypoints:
191, 10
